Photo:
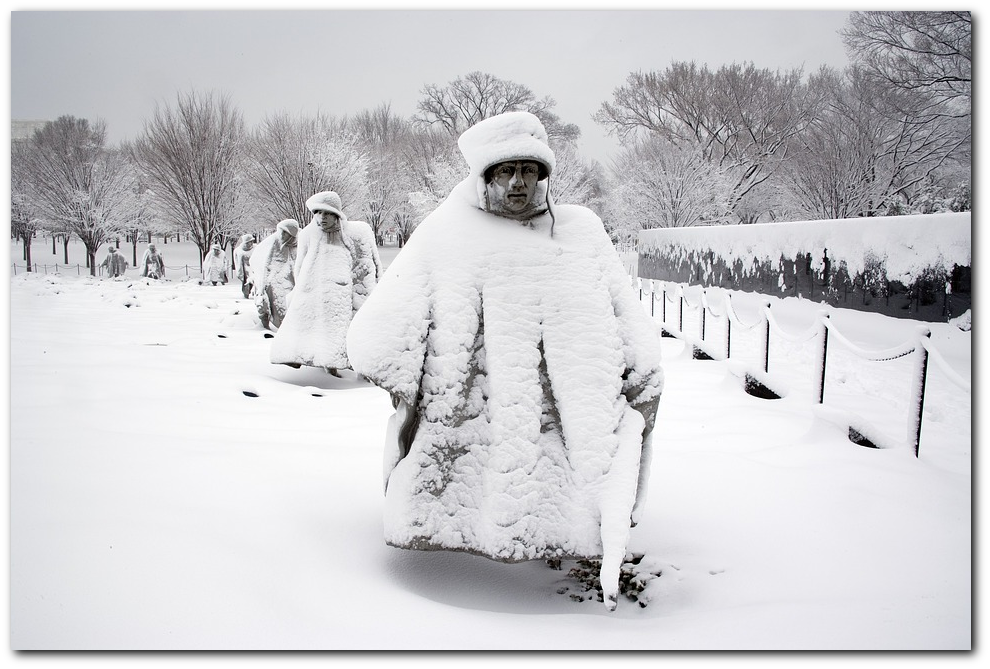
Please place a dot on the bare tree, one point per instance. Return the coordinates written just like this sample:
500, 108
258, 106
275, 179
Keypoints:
432, 167
385, 197
24, 221
479, 95
662, 185
404, 221
424, 147
342, 166
191, 156
141, 217
290, 159
379, 126
740, 118
574, 181
926, 60
863, 154
385, 138
443, 174
916, 51
77, 180
280, 164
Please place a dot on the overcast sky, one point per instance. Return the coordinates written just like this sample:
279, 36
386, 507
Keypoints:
116, 65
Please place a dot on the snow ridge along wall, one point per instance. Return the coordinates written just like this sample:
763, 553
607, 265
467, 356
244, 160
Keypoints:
915, 266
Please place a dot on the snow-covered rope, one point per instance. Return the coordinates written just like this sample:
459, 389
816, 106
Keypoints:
708, 307
730, 310
950, 373
884, 355
684, 297
813, 332
666, 293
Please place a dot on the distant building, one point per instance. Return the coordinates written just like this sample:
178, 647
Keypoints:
24, 129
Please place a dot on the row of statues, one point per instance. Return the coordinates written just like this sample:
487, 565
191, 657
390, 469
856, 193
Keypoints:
152, 263
307, 283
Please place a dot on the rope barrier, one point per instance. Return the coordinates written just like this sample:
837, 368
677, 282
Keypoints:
883, 355
813, 332
732, 314
922, 348
35, 267
950, 373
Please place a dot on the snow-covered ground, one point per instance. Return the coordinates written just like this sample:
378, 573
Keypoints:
171, 489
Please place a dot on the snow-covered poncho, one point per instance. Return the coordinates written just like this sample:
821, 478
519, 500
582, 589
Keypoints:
332, 281
115, 264
242, 258
529, 363
152, 264
215, 267
271, 265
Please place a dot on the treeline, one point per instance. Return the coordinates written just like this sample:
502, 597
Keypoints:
891, 134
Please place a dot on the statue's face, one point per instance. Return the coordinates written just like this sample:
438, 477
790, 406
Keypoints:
513, 186
327, 220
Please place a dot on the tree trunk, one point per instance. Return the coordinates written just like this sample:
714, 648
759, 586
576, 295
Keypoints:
65, 249
134, 245
53, 244
91, 261
27, 250
149, 236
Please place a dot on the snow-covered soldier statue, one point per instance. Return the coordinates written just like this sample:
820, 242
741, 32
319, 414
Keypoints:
242, 254
337, 266
524, 371
115, 263
271, 266
152, 263
215, 266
